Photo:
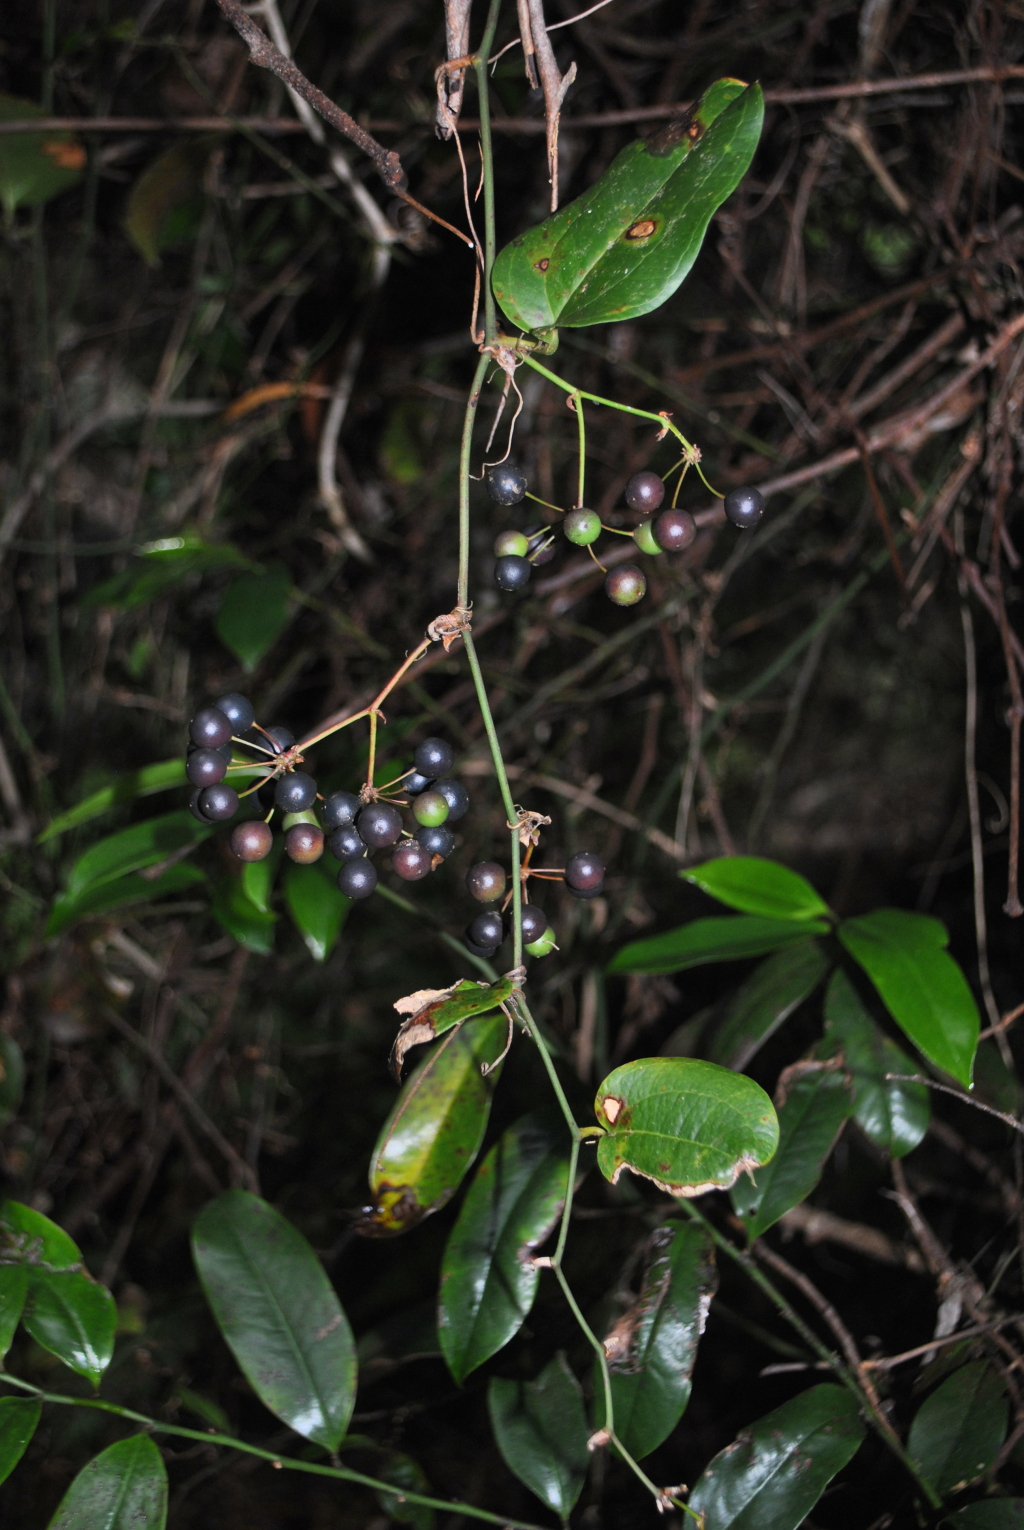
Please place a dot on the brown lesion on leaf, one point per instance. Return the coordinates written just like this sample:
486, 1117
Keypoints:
397, 1210
612, 1105
542, 265
641, 230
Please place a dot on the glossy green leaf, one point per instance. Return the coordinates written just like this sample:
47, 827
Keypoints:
27, 1237
257, 879
129, 785
254, 613
713, 940
407, 1476
159, 566
958, 1430
250, 926
317, 906
990, 1514
431, 1012
133, 849
756, 886
35, 166
12, 1078
652, 1348
279, 1314
103, 897
920, 984
71, 1316
895, 1116
688, 1125
768, 997
623, 248
818, 1101
775, 1471
13, 1293
488, 1278
166, 202
18, 1419
541, 1431
123, 1488
435, 1128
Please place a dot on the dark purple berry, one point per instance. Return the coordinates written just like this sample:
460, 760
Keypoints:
210, 728
275, 740
625, 585
205, 767
340, 808
744, 507
252, 841
674, 530
506, 484
411, 861
226, 751
195, 809
238, 710
486, 931
595, 892
345, 844
645, 492
541, 550
295, 793
304, 843
584, 872
456, 796
534, 922
218, 803
434, 758
416, 783
357, 879
512, 573
436, 841
379, 824
486, 881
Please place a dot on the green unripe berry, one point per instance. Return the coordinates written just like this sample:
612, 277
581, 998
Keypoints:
430, 809
291, 819
582, 527
510, 544
643, 536
543, 944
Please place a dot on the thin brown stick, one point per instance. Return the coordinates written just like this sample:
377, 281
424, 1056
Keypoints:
973, 804
880, 512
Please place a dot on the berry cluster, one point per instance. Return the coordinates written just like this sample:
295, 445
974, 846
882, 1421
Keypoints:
517, 553
486, 881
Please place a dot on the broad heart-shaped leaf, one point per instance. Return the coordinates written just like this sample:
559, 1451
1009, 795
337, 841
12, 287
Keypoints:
34, 166
123, 1488
18, 1419
623, 248
713, 940
13, 1293
688, 1125
541, 1430
775, 1471
768, 997
435, 1128
652, 1348
990, 1514
254, 613
756, 886
252, 927
488, 1278
317, 906
818, 1101
120, 892
166, 202
434, 1011
958, 1430
920, 984
895, 1116
12, 1078
27, 1237
279, 1314
74, 1318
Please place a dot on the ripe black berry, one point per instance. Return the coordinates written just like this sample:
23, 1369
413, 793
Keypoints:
345, 844
238, 710
456, 796
437, 841
506, 484
744, 507
534, 922
645, 491
276, 739
486, 881
379, 824
205, 767
486, 931
340, 808
584, 872
625, 585
415, 783
304, 843
195, 809
210, 728
434, 758
674, 530
217, 803
295, 793
252, 841
411, 861
512, 573
541, 549
357, 879
226, 751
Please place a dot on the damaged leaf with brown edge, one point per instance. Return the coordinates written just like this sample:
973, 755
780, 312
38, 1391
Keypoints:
166, 202
433, 1011
689, 1126
435, 1130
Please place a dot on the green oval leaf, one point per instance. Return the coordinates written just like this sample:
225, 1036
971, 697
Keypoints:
18, 1419
435, 1128
133, 849
652, 1349
756, 886
958, 1431
541, 1430
254, 613
623, 248
775, 1471
13, 1294
74, 1318
688, 1125
768, 997
12, 1078
279, 1314
488, 1278
919, 982
34, 167
161, 565
317, 906
252, 927
895, 1116
713, 940
129, 785
120, 892
27, 1237
818, 1101
166, 202
123, 1488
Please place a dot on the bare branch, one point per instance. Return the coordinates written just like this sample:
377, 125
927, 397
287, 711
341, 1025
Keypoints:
451, 86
